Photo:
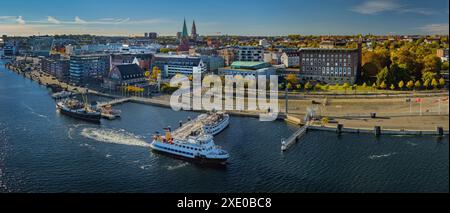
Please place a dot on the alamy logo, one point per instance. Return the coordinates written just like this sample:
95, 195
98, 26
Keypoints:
230, 93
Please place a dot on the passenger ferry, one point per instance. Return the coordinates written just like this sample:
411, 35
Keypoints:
198, 148
215, 122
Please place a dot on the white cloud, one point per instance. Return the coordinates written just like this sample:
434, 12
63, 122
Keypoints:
370, 7
53, 20
7, 17
375, 6
20, 20
78, 20
436, 29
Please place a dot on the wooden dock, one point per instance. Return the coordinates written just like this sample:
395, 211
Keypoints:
287, 143
114, 102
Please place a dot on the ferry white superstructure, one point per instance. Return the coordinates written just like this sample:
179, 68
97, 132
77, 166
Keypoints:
209, 123
200, 148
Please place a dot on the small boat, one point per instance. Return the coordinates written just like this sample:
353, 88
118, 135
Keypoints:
200, 149
63, 94
109, 113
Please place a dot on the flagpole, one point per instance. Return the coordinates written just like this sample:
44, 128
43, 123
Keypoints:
439, 106
420, 107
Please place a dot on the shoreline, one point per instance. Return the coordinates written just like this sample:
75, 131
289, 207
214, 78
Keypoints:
281, 116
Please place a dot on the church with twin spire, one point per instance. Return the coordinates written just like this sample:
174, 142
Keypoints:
185, 38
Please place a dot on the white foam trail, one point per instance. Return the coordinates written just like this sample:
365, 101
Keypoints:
179, 166
145, 166
373, 157
114, 137
34, 112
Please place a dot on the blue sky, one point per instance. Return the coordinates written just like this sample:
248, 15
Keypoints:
234, 17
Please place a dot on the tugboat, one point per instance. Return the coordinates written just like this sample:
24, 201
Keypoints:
78, 110
197, 148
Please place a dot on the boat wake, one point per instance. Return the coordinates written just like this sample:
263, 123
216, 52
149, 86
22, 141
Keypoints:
31, 110
112, 136
179, 166
374, 157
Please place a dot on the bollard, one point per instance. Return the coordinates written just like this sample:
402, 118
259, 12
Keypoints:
189, 118
339, 128
377, 131
181, 123
440, 131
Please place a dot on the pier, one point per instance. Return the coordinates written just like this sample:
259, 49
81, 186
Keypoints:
114, 102
287, 143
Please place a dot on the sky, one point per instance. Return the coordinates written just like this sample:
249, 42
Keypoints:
224, 17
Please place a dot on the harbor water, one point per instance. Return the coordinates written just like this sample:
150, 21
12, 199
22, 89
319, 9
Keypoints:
43, 151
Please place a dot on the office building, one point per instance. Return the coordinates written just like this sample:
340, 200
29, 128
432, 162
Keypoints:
57, 67
250, 53
330, 65
245, 68
170, 65
85, 67
228, 55
291, 59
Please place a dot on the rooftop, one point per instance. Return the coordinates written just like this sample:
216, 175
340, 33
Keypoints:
249, 65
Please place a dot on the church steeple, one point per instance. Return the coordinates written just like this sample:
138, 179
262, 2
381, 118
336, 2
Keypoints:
184, 41
184, 34
194, 30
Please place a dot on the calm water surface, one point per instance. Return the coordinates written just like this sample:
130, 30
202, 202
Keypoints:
42, 151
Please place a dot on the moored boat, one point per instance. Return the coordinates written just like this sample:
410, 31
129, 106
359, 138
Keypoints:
75, 109
214, 122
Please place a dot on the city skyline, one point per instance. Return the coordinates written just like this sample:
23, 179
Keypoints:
271, 18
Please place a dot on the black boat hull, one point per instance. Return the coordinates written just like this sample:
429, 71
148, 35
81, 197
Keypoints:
84, 117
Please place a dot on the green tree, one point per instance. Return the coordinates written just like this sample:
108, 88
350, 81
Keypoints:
417, 85
318, 86
441, 82
308, 86
426, 84
410, 84
444, 66
346, 86
434, 83
289, 86
428, 76
327, 87
382, 76
374, 86
392, 87
401, 84
383, 85
432, 63
364, 85
298, 86
292, 78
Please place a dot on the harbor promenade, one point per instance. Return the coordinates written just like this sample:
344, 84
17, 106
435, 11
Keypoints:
395, 113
